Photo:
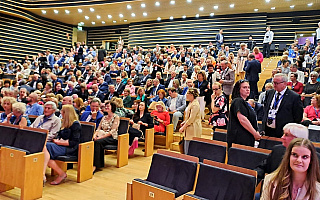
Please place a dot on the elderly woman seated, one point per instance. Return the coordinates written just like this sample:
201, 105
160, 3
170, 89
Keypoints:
17, 116
121, 111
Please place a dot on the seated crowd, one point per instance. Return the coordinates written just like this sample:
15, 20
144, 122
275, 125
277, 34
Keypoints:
156, 87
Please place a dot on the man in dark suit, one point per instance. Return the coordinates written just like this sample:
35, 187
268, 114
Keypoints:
119, 87
97, 93
65, 70
117, 54
272, 162
71, 90
55, 79
157, 65
135, 78
169, 82
145, 77
253, 69
103, 86
35, 81
94, 115
101, 54
282, 106
185, 70
78, 54
50, 58
219, 39
112, 93
156, 87
251, 43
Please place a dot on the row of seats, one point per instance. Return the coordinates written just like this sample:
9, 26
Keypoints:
175, 176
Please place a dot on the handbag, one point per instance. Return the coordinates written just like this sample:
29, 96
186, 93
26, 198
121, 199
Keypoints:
181, 146
136, 126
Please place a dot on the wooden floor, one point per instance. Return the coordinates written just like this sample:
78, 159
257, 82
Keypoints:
110, 183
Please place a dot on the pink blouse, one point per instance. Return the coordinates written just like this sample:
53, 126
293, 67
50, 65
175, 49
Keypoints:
259, 57
132, 90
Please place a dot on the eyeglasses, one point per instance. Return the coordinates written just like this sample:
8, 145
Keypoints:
275, 83
215, 88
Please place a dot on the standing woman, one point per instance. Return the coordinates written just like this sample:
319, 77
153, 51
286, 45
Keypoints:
66, 144
219, 102
242, 127
242, 56
297, 177
202, 85
191, 126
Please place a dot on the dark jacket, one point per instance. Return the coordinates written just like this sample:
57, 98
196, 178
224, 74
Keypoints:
85, 115
252, 70
101, 55
73, 135
146, 118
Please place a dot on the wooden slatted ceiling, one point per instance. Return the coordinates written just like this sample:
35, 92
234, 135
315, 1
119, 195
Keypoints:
21, 37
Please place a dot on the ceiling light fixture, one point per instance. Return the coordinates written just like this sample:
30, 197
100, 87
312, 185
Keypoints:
159, 18
256, 10
211, 14
67, 11
267, 1
301, 35
82, 23
292, 6
273, 8
189, 1
231, 5
157, 3
86, 17
56, 11
143, 5
171, 18
133, 15
114, 21
92, 9
201, 8
216, 7
103, 22
120, 15
310, 4
197, 15
129, 7
172, 2
145, 14
93, 23
43, 11
98, 17
183, 17
80, 10
125, 20
109, 16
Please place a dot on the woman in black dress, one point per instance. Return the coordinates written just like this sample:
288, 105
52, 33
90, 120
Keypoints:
310, 88
242, 127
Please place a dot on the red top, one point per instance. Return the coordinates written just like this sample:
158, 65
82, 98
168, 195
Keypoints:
298, 88
163, 116
259, 57
311, 114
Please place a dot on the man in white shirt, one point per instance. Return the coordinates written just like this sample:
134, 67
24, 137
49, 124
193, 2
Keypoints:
293, 68
267, 40
318, 32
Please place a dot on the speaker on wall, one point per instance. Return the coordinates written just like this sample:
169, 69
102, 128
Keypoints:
118, 31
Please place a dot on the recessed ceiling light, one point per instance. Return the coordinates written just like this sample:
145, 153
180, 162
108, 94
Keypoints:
157, 3
93, 23
67, 11
82, 23
273, 8
171, 18
197, 15
103, 22
114, 21
310, 4
216, 7
189, 1
211, 14
133, 15
267, 1
121, 15
143, 5
256, 10
86, 17
313, 34
109, 16
92, 9
292, 6
98, 17
172, 2
301, 35
43, 11
231, 5
125, 20
56, 11
183, 17
201, 8
80, 10
159, 18
129, 7
145, 14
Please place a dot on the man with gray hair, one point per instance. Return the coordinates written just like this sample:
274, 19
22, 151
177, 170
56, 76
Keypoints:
272, 162
94, 115
282, 106
48, 121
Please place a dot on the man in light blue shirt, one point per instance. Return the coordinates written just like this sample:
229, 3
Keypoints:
33, 108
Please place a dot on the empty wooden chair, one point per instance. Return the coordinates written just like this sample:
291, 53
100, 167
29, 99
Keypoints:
268, 142
220, 135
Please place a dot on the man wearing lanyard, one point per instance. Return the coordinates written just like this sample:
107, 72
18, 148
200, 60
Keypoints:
48, 121
282, 106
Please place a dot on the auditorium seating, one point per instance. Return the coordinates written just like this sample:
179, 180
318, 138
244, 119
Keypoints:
22, 159
269, 142
148, 142
123, 143
223, 182
314, 134
32, 118
220, 135
170, 176
208, 149
84, 159
245, 156
165, 139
